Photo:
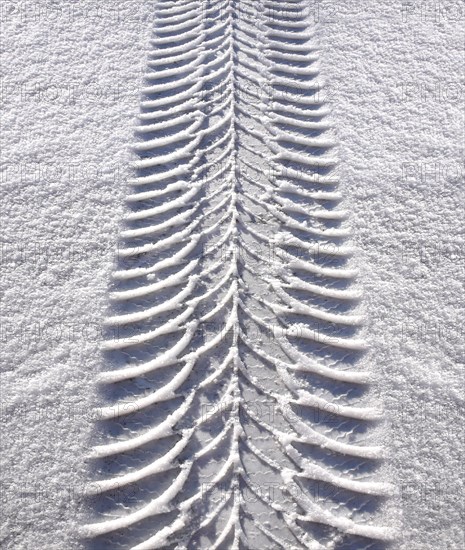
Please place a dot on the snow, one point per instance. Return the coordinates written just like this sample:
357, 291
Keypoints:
70, 98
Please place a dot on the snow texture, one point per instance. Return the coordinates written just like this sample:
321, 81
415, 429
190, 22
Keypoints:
250, 392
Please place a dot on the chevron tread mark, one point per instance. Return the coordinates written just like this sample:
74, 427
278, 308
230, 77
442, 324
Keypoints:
235, 410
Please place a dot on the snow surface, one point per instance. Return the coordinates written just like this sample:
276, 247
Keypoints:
70, 91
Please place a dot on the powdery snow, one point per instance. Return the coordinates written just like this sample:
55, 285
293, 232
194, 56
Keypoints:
71, 89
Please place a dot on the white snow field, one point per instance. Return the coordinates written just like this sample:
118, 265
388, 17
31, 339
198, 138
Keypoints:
232, 275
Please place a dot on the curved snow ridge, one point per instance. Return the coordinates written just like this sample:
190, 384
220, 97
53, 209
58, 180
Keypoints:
236, 413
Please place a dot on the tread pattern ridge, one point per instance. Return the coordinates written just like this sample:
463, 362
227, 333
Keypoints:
236, 413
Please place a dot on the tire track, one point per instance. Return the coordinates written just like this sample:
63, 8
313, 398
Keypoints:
235, 414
